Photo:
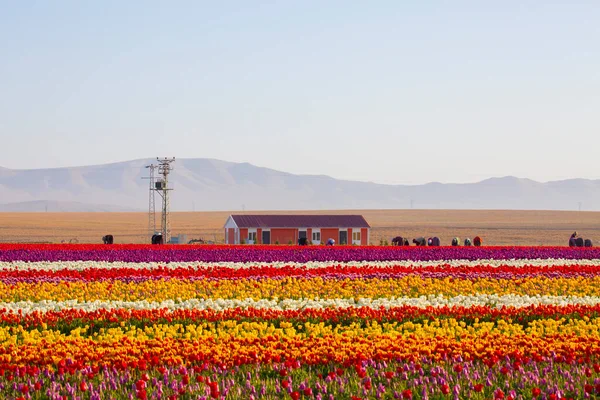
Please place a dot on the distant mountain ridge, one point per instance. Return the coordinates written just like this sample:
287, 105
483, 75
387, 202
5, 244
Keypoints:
211, 185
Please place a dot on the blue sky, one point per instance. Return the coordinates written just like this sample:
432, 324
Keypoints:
384, 91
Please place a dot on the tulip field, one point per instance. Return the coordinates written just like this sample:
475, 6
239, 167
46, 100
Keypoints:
288, 322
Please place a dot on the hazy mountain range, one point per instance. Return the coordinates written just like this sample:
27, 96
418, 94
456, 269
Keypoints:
206, 184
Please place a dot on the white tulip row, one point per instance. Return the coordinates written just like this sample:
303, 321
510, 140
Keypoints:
496, 301
81, 265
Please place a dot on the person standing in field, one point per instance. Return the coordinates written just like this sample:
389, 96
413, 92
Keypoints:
573, 240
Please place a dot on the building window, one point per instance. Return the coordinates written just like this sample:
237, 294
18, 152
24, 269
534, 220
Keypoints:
251, 237
316, 236
356, 236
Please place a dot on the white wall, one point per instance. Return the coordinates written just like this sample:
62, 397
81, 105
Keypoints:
230, 223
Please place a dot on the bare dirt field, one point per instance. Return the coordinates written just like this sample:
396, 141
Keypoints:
495, 227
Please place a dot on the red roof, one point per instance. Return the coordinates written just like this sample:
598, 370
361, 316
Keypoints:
300, 221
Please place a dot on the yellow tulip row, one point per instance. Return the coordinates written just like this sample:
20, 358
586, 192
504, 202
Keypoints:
229, 341
310, 288
230, 329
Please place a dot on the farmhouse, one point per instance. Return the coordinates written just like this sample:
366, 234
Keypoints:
285, 229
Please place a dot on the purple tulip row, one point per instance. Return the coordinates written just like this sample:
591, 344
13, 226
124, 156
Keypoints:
286, 253
368, 380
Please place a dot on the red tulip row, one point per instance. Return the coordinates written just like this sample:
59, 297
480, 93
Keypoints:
333, 272
72, 318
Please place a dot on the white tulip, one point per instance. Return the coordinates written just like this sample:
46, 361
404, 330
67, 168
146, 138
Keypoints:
496, 301
82, 265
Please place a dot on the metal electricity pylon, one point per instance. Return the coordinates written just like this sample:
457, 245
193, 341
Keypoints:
162, 187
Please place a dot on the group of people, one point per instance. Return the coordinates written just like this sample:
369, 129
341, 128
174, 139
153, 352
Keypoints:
434, 241
576, 241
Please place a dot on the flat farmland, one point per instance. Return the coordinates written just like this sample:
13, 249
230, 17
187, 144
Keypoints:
495, 227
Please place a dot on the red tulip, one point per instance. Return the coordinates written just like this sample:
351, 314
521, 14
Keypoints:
445, 388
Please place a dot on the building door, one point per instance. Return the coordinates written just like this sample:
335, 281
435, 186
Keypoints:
302, 234
266, 237
343, 237
357, 236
